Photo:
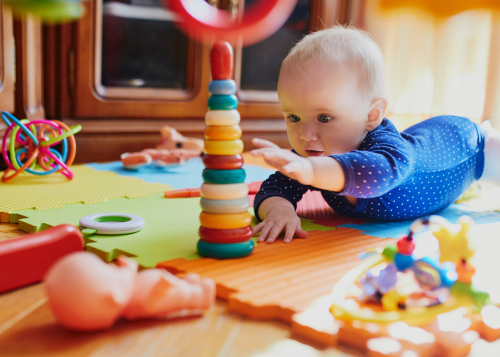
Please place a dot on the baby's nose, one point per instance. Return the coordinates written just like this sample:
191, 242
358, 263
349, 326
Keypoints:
308, 133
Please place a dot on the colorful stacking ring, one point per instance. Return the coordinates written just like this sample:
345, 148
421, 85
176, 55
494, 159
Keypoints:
223, 162
225, 235
224, 192
225, 251
224, 177
222, 117
224, 133
222, 87
233, 147
225, 221
222, 102
225, 206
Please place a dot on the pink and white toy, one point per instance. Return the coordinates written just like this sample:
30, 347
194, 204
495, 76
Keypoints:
87, 294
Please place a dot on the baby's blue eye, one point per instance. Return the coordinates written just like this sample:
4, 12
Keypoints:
293, 118
324, 118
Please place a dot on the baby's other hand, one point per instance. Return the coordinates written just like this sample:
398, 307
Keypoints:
292, 165
279, 219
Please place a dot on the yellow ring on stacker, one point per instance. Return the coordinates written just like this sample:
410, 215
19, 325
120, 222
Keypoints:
233, 147
222, 117
225, 221
224, 133
231, 191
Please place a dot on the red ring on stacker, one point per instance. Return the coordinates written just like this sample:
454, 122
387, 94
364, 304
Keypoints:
223, 162
237, 235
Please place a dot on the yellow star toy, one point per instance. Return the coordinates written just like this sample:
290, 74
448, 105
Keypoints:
454, 245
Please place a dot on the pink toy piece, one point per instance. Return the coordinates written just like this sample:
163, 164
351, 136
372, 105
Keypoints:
171, 139
159, 294
155, 153
136, 159
87, 294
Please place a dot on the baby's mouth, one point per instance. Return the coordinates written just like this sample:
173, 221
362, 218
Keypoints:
314, 152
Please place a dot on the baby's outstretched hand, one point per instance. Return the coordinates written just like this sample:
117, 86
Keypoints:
285, 161
279, 219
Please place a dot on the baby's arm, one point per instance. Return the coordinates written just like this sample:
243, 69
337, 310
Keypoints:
321, 172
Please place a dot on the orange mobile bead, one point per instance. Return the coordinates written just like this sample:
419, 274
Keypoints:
223, 133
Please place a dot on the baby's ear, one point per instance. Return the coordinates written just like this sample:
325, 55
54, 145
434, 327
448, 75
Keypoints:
376, 115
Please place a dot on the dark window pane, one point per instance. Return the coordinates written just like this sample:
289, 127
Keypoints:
141, 46
261, 63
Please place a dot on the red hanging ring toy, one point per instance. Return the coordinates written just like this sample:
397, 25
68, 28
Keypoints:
206, 23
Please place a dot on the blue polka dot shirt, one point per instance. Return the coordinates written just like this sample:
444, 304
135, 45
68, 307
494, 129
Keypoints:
398, 176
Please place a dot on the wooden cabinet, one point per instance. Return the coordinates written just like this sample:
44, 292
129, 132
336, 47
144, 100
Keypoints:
6, 60
123, 71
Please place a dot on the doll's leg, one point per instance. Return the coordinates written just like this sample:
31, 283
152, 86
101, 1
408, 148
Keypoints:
491, 171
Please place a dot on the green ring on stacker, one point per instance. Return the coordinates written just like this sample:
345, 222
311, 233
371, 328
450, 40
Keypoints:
222, 102
224, 177
224, 250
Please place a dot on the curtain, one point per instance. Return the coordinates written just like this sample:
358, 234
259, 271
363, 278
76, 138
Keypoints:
437, 66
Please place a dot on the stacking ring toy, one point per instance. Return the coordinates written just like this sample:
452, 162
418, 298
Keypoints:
225, 251
112, 223
231, 191
222, 117
204, 22
222, 102
215, 147
237, 235
225, 206
224, 177
225, 221
223, 133
223, 162
31, 147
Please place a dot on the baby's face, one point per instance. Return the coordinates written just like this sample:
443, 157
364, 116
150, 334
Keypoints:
324, 109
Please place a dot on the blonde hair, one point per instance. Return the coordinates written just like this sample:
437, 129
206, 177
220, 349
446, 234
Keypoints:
344, 45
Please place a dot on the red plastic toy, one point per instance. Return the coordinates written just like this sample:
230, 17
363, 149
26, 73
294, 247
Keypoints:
26, 259
206, 23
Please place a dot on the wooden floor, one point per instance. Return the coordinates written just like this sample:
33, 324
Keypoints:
28, 328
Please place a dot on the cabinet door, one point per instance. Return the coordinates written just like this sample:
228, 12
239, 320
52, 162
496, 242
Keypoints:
131, 61
6, 60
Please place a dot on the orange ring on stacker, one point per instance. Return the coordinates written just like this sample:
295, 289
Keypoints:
225, 221
223, 133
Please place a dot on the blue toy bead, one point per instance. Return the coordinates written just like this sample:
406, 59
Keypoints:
222, 102
225, 251
403, 262
222, 87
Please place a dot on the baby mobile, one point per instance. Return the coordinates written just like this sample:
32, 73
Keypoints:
30, 146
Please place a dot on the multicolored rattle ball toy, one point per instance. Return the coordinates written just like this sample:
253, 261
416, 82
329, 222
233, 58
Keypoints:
31, 147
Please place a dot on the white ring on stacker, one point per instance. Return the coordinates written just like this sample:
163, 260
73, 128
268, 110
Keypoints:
134, 224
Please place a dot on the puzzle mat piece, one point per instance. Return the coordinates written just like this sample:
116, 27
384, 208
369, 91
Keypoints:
170, 232
398, 228
88, 186
279, 279
188, 175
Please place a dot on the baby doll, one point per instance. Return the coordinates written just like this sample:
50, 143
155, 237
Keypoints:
332, 92
87, 294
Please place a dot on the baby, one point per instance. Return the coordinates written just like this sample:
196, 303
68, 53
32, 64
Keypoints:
332, 92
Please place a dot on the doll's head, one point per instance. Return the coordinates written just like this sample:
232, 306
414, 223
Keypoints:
331, 90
